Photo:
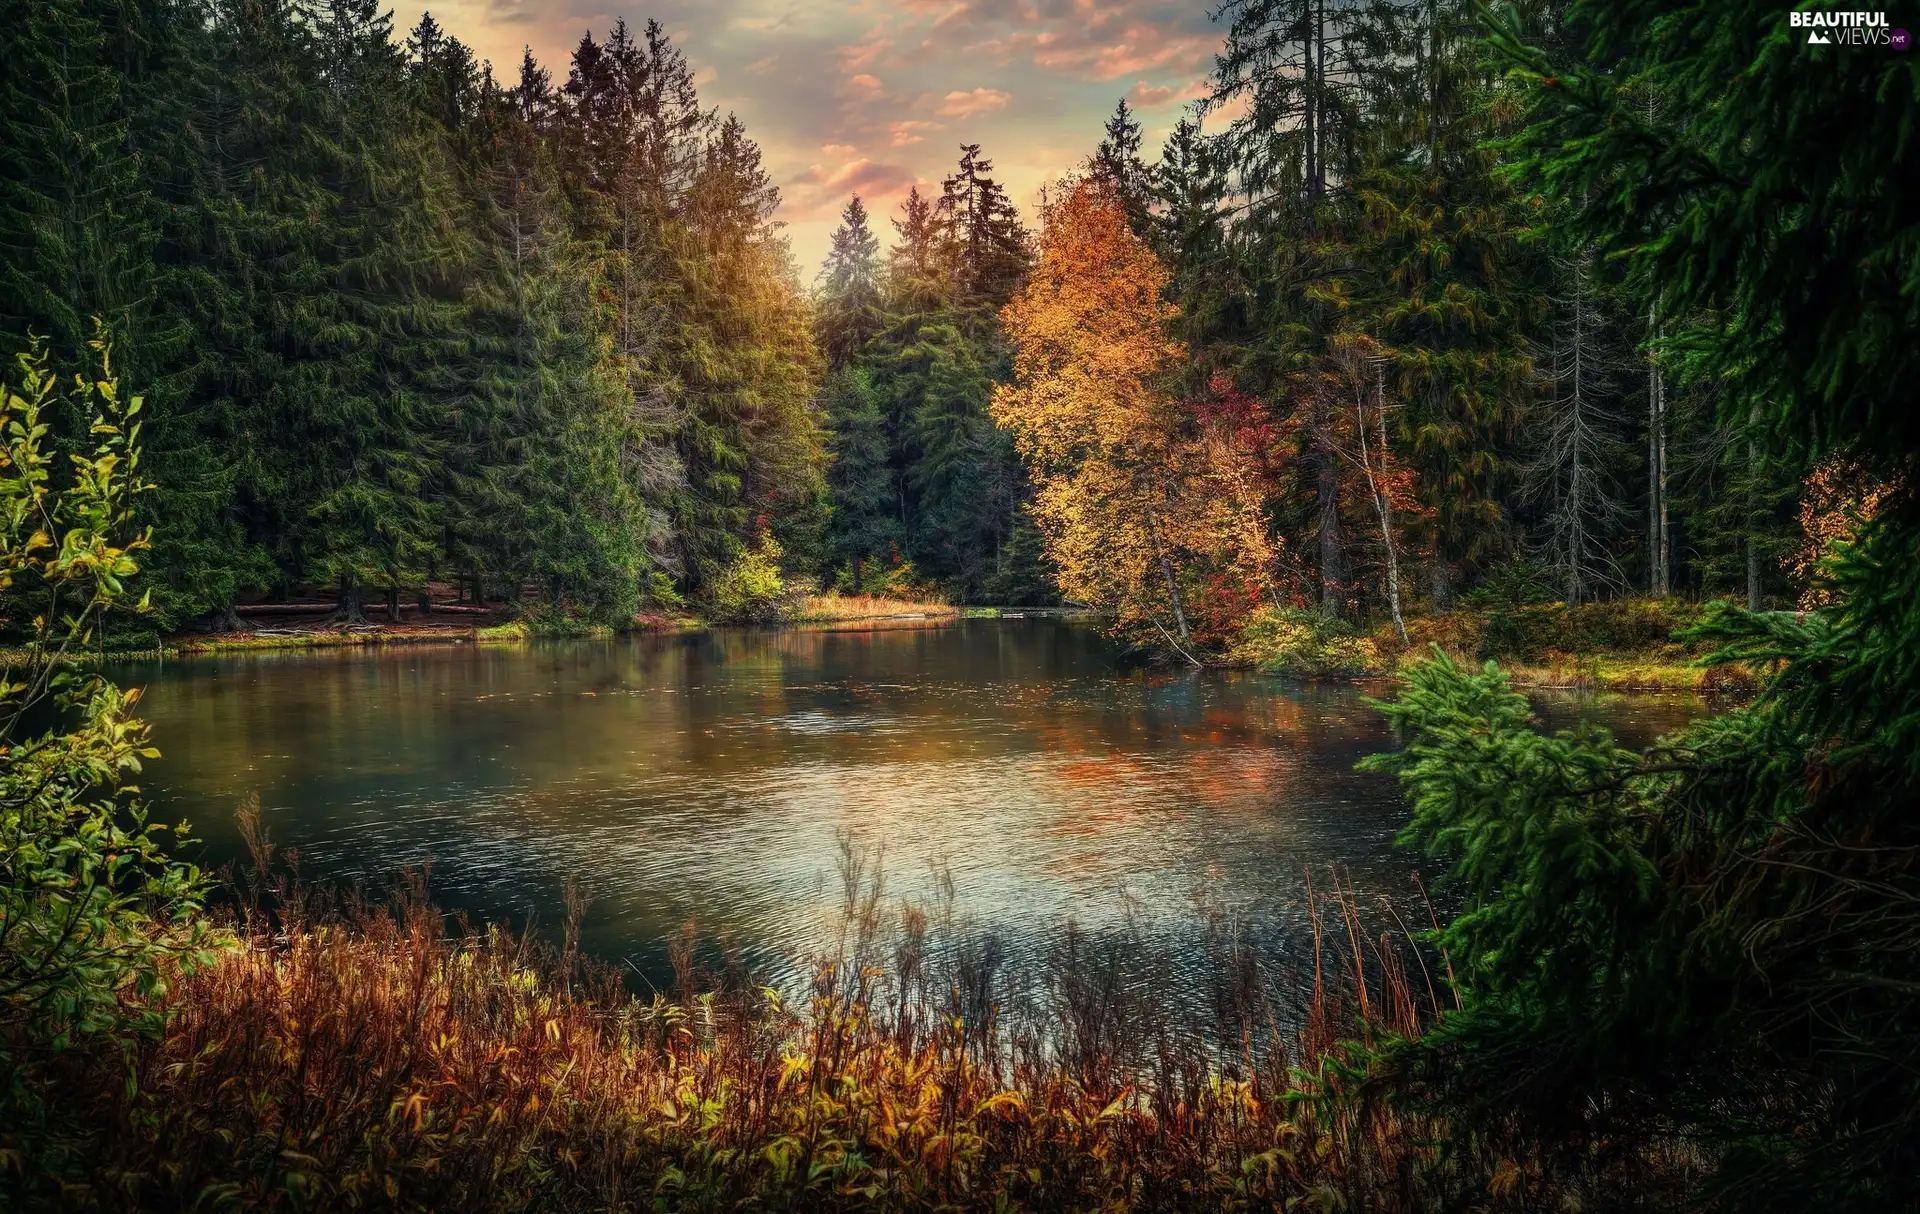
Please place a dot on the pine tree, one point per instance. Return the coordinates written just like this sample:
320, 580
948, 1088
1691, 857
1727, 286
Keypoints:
1190, 186
864, 524
544, 422
1716, 928
1309, 70
367, 409
1579, 443
849, 311
76, 232
1117, 159
916, 275
1452, 295
984, 243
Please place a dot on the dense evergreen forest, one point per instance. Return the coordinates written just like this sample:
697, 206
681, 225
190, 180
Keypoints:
399, 321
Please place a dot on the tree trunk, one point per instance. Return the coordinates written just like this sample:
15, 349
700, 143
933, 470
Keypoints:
1658, 546
1166, 571
1382, 504
1441, 579
393, 604
349, 610
228, 620
426, 601
1753, 511
1331, 542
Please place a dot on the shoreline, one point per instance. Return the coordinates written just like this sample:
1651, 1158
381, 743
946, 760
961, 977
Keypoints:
1641, 673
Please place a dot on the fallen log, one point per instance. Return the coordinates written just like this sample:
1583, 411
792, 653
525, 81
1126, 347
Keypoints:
282, 608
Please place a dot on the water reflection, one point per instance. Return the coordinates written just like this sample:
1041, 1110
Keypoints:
709, 776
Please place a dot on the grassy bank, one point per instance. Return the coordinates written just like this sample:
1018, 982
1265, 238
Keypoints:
1623, 645
502, 626
340, 1055
831, 607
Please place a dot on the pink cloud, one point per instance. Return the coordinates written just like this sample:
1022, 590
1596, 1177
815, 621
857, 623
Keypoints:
958, 104
909, 130
861, 55
1146, 96
821, 191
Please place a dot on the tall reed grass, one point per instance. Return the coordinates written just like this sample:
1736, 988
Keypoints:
830, 605
346, 1053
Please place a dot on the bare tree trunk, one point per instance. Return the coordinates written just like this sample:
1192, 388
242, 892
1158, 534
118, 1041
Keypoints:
1753, 510
1312, 116
1658, 546
1166, 571
1382, 505
1333, 564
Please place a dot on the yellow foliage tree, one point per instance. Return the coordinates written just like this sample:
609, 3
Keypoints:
1839, 500
1133, 496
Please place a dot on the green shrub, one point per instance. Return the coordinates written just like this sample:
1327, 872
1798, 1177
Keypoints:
750, 590
1505, 635
92, 910
1305, 644
662, 593
1520, 583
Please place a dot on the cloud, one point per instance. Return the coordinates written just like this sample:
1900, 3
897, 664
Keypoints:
876, 94
865, 53
909, 130
820, 191
1146, 96
958, 104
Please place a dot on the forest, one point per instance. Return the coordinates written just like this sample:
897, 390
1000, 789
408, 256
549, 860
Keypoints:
401, 322
1428, 311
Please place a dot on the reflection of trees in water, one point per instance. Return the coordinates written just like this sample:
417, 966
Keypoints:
707, 774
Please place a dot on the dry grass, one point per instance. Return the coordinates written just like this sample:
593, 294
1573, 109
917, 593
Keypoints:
345, 1055
830, 607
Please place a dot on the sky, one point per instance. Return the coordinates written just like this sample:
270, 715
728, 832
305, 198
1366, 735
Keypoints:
849, 96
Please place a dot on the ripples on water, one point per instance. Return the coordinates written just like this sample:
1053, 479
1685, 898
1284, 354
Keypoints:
710, 776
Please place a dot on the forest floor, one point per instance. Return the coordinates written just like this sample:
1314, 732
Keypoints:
1637, 645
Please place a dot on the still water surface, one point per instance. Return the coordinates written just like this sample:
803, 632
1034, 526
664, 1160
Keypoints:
711, 776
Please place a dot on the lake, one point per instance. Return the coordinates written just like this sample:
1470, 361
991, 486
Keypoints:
714, 776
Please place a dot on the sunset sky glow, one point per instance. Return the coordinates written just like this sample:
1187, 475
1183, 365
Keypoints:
857, 95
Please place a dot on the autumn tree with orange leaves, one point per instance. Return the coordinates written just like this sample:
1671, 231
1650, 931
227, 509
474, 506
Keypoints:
1137, 502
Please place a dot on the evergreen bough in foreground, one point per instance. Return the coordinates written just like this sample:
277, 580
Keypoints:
1705, 950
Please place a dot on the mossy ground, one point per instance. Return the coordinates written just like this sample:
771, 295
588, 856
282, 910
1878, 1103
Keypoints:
1625, 645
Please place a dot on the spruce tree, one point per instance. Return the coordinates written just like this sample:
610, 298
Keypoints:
367, 409
1117, 160
984, 243
1454, 289
864, 523
849, 311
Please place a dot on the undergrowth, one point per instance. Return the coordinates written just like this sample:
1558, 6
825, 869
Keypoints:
347, 1054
